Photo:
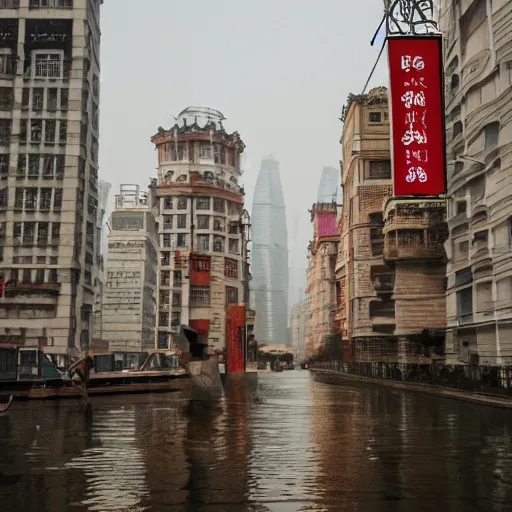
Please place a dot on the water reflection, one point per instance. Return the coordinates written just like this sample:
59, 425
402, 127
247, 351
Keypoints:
113, 466
277, 442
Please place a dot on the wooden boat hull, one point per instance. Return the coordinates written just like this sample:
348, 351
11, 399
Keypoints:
113, 385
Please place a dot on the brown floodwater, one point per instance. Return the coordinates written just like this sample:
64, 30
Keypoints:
278, 442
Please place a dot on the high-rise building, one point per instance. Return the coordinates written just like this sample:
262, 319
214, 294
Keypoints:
270, 256
329, 187
203, 229
129, 299
49, 97
478, 99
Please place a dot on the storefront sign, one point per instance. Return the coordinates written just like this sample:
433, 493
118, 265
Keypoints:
417, 115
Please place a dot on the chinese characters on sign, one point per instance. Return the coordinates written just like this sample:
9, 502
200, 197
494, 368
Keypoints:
417, 116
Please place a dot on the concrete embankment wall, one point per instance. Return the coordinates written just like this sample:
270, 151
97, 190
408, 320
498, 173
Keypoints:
341, 378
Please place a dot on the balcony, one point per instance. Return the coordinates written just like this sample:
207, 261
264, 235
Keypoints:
394, 251
32, 288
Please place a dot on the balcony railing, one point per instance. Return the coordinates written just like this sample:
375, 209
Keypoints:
392, 251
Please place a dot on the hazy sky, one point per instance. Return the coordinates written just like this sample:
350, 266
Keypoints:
280, 72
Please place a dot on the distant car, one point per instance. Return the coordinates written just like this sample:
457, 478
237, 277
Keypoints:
305, 366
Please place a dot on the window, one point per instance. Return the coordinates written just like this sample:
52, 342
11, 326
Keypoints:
54, 4
176, 299
25, 97
175, 319
218, 224
233, 208
45, 199
163, 319
50, 126
491, 134
205, 150
165, 258
179, 153
177, 279
167, 221
3, 198
163, 340
231, 268
43, 229
457, 128
165, 278
164, 298
182, 203
203, 222
6, 98
40, 275
5, 131
199, 296
218, 243
53, 95
52, 275
374, 117
379, 170
64, 99
181, 221
231, 295
166, 240
201, 264
203, 242
233, 228
465, 305
63, 131
33, 166
27, 276
36, 130
168, 203
37, 99
7, 64
458, 167
218, 205
181, 240
233, 246
203, 203
41, 260
461, 207
48, 65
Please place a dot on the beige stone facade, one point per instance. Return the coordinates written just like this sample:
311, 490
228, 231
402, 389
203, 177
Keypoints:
478, 67
299, 328
49, 92
321, 283
203, 228
390, 266
129, 298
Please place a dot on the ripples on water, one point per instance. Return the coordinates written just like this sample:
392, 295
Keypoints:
278, 442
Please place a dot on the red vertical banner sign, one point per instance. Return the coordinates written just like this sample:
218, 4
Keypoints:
417, 115
235, 339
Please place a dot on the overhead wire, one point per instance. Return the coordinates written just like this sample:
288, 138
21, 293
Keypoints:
384, 17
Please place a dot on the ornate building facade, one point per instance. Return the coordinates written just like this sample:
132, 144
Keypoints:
390, 265
203, 229
478, 67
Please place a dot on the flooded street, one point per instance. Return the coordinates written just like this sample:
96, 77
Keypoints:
280, 442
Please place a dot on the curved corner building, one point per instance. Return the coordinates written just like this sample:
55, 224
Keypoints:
270, 256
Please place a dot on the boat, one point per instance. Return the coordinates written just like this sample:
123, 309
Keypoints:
27, 372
